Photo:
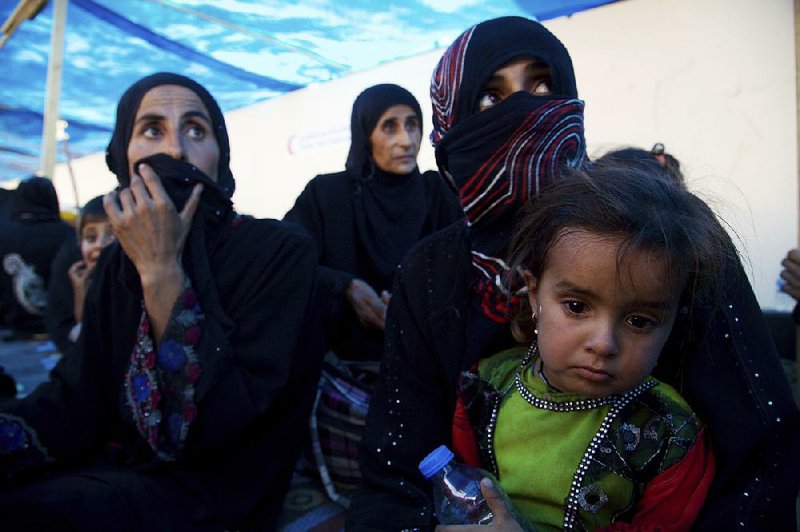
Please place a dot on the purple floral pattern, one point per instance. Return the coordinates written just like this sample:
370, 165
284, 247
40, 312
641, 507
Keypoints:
160, 383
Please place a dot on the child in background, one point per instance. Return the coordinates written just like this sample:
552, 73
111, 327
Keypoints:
71, 278
94, 234
578, 432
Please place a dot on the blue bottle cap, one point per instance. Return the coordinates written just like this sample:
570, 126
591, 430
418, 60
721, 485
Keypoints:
435, 461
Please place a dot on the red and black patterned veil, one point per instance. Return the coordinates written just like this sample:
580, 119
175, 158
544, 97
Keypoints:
497, 159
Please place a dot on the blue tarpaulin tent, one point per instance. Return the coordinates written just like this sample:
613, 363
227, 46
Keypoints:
244, 51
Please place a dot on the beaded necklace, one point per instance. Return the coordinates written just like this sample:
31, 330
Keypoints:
617, 402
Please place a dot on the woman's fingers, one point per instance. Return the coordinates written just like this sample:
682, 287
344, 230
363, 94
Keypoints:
191, 204
126, 201
369, 307
150, 186
502, 514
110, 204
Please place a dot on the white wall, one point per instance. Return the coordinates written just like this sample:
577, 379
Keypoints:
714, 80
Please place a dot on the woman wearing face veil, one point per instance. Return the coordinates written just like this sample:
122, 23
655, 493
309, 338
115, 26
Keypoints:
506, 119
30, 240
366, 218
198, 356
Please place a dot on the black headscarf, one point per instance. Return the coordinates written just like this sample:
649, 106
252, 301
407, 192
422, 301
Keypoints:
179, 177
389, 209
35, 200
368, 108
117, 151
496, 159
215, 211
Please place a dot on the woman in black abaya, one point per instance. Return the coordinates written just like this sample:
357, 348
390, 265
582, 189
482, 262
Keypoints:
506, 118
367, 217
198, 360
30, 240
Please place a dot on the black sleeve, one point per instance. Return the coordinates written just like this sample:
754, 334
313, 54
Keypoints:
445, 207
308, 212
247, 356
411, 410
59, 316
732, 377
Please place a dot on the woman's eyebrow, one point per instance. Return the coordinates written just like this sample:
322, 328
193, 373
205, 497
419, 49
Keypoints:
150, 117
494, 78
196, 114
537, 66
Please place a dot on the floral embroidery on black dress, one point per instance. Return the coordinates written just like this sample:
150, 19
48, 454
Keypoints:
19, 440
160, 384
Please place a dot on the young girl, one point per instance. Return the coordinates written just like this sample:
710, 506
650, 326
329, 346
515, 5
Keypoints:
579, 433
72, 272
94, 234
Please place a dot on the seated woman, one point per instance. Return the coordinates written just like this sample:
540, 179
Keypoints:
364, 220
30, 241
72, 272
506, 119
367, 217
199, 354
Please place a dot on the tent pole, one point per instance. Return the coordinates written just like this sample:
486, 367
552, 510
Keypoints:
53, 91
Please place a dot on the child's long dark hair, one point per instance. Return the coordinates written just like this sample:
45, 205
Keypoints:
623, 200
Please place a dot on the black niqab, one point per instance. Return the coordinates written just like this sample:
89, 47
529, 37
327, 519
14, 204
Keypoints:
497, 159
35, 200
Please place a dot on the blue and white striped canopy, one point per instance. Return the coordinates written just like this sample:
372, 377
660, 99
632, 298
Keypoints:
243, 51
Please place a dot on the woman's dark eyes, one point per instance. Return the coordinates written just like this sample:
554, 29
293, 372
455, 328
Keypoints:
542, 88
150, 131
412, 124
196, 132
488, 99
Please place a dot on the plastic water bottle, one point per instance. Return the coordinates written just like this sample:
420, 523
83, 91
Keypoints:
457, 496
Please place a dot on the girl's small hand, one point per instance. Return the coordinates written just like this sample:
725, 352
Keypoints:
78, 273
503, 515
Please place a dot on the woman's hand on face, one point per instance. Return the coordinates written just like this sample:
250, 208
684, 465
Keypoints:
791, 274
503, 516
149, 229
152, 234
368, 306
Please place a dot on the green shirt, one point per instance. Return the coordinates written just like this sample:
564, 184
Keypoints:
609, 448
